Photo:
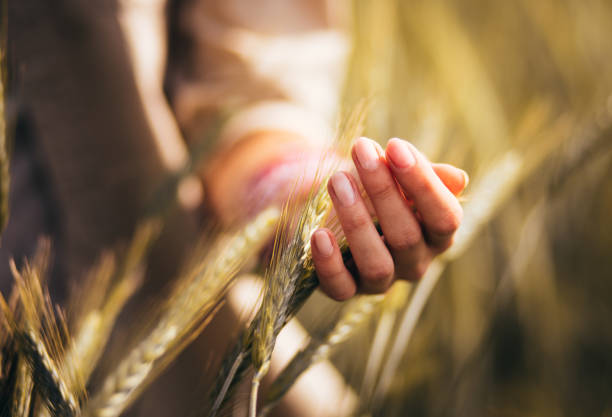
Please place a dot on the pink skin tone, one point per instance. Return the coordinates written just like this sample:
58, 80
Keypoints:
417, 209
413, 199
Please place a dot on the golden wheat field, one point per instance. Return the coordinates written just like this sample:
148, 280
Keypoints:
153, 309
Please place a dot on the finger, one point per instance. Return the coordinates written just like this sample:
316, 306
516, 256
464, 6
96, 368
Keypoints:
400, 227
334, 279
455, 179
371, 256
439, 209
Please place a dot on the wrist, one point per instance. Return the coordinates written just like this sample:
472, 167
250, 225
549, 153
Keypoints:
258, 170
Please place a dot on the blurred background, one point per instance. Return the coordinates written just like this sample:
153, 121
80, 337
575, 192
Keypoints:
514, 320
517, 325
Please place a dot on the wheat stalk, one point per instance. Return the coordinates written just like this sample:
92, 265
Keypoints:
47, 376
24, 386
290, 279
476, 217
193, 301
100, 312
283, 281
319, 349
489, 195
282, 297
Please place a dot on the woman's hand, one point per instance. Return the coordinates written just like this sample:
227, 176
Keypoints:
416, 206
413, 200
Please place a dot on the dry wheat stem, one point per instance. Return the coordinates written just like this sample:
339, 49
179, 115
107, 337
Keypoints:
292, 272
96, 327
233, 365
192, 302
283, 280
493, 190
291, 279
318, 350
382, 335
24, 388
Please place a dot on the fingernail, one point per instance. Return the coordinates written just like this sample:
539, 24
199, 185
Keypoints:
343, 189
366, 154
400, 154
466, 179
323, 243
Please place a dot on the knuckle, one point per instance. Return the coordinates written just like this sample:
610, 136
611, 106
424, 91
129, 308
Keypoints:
449, 224
404, 241
423, 187
332, 285
330, 271
379, 274
340, 294
442, 245
382, 190
418, 270
356, 222
336, 285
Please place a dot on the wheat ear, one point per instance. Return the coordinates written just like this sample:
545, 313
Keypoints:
93, 332
16, 384
257, 342
196, 299
290, 279
40, 334
47, 376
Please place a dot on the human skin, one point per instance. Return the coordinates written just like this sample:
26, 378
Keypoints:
414, 200
416, 206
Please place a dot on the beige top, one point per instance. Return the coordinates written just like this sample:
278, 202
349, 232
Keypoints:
277, 64
273, 65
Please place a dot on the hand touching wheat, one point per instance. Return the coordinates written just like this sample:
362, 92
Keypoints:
417, 210
413, 199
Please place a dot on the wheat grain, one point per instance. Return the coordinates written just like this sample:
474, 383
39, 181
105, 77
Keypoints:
47, 376
40, 334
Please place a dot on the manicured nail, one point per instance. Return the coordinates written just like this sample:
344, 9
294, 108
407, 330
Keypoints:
400, 154
366, 154
343, 189
466, 179
323, 243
